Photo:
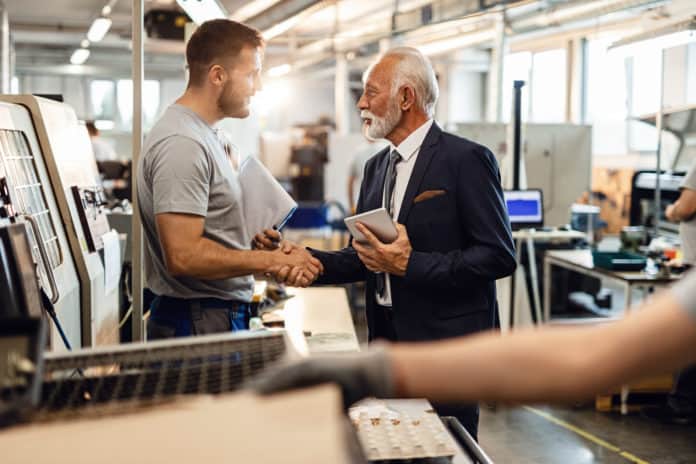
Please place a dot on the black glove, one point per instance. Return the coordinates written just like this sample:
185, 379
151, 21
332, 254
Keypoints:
359, 375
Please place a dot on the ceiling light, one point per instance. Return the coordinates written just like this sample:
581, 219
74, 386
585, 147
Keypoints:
201, 11
98, 29
279, 70
84, 43
106, 11
79, 56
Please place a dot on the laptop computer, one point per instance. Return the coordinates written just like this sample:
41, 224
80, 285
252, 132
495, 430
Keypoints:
525, 208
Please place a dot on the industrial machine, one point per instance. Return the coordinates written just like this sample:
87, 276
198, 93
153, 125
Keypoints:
556, 159
642, 212
22, 328
50, 140
127, 387
28, 191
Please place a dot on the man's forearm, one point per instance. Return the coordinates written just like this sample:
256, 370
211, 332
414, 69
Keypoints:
209, 260
549, 364
340, 267
483, 368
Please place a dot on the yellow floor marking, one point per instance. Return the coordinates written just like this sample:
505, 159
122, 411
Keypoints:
587, 435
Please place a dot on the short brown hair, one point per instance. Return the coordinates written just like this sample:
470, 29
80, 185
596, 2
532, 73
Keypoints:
216, 39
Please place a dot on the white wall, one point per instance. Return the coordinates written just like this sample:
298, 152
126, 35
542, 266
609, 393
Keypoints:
281, 103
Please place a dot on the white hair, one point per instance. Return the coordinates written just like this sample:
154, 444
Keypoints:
413, 69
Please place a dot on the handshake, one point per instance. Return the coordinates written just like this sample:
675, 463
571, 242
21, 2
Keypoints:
290, 263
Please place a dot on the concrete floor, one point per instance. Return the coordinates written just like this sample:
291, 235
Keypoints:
522, 436
543, 434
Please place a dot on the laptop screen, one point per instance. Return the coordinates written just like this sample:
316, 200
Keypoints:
525, 208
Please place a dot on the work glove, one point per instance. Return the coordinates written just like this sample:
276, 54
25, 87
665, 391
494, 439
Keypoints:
358, 375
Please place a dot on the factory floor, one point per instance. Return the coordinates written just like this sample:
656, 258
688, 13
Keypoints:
570, 435
542, 434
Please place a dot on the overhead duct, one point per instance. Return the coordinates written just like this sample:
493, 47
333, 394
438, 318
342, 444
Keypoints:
574, 11
283, 11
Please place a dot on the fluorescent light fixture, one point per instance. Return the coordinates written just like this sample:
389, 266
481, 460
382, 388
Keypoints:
84, 43
671, 36
79, 56
104, 124
98, 29
279, 70
201, 11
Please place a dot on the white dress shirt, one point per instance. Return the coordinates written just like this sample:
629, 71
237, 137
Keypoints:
408, 149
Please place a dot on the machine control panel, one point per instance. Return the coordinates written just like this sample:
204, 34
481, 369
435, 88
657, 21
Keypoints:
90, 204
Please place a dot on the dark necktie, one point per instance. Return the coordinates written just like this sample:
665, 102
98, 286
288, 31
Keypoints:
389, 181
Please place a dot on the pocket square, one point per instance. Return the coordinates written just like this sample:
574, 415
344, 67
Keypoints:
428, 194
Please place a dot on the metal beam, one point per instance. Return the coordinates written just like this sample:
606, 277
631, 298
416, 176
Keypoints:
136, 231
5, 50
280, 12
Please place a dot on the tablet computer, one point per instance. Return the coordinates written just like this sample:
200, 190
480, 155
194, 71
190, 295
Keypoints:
378, 221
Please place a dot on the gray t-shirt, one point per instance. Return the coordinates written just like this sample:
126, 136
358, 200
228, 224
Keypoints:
685, 292
184, 169
687, 229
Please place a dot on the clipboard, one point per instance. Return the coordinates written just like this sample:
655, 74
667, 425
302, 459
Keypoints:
267, 205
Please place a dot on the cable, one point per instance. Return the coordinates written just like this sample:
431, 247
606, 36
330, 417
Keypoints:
48, 307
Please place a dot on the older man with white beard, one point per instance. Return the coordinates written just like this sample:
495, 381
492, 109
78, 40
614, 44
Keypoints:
437, 279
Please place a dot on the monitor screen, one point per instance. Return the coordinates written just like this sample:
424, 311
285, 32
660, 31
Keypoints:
525, 208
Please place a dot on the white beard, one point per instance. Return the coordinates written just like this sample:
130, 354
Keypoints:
379, 128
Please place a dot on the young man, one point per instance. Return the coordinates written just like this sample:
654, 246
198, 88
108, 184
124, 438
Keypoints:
198, 256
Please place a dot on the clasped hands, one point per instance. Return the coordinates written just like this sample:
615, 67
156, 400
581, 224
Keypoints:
295, 266
290, 263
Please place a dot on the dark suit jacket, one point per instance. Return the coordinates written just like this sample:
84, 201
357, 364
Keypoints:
461, 241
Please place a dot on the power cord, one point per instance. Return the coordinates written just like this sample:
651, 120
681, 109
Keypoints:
51, 311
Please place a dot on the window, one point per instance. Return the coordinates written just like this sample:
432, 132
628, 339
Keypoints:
27, 191
645, 99
606, 99
516, 67
548, 86
102, 96
151, 101
544, 93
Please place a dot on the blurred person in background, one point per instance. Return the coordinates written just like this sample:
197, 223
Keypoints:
103, 151
680, 407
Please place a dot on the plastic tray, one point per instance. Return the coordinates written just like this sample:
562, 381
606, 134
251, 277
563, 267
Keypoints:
619, 261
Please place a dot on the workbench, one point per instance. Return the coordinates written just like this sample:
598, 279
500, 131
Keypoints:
581, 261
318, 320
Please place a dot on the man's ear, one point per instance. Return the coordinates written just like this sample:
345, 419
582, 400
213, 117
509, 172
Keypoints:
216, 75
407, 98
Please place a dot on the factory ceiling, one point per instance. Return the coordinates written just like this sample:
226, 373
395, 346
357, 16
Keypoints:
306, 33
